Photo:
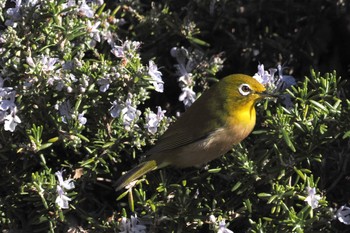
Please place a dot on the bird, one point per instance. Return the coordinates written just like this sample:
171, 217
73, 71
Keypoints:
221, 117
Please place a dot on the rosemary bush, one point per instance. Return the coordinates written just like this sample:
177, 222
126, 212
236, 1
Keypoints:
87, 86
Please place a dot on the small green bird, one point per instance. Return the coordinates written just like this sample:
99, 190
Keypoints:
223, 116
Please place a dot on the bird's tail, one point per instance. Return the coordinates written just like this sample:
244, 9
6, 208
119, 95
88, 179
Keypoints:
135, 173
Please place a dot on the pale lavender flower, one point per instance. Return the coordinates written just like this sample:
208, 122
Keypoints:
7, 98
65, 111
109, 37
156, 76
11, 121
82, 120
62, 200
66, 184
160, 113
93, 31
118, 51
8, 109
312, 198
184, 67
30, 61
14, 14
131, 45
86, 10
104, 84
221, 225
48, 63
343, 214
126, 111
153, 120
131, 226
69, 4
188, 96
115, 109
212, 218
223, 228
264, 77
186, 80
129, 114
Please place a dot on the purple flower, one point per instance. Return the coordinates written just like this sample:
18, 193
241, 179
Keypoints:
94, 32
86, 10
118, 51
312, 198
188, 96
129, 114
14, 14
66, 111
343, 214
223, 228
264, 77
82, 120
11, 121
62, 200
131, 226
153, 120
48, 63
66, 184
156, 76
104, 84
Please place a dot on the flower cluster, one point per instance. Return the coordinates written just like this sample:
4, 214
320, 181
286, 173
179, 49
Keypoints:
219, 224
153, 120
67, 113
184, 67
312, 198
156, 76
8, 108
127, 112
132, 225
62, 200
275, 83
268, 79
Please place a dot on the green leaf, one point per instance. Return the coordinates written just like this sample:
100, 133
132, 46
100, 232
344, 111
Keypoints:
44, 146
83, 137
300, 173
214, 170
319, 105
287, 140
198, 41
263, 195
346, 135
236, 186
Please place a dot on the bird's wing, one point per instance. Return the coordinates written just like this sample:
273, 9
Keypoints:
186, 130
197, 123
176, 139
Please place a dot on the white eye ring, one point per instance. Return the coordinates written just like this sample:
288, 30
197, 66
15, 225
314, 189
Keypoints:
244, 89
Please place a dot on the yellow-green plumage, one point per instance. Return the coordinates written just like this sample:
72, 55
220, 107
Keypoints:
223, 116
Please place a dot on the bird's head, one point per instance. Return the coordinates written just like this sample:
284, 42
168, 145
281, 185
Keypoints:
243, 90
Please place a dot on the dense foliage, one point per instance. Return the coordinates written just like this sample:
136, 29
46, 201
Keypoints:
87, 86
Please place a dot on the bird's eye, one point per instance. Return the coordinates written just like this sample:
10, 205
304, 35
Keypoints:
244, 89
